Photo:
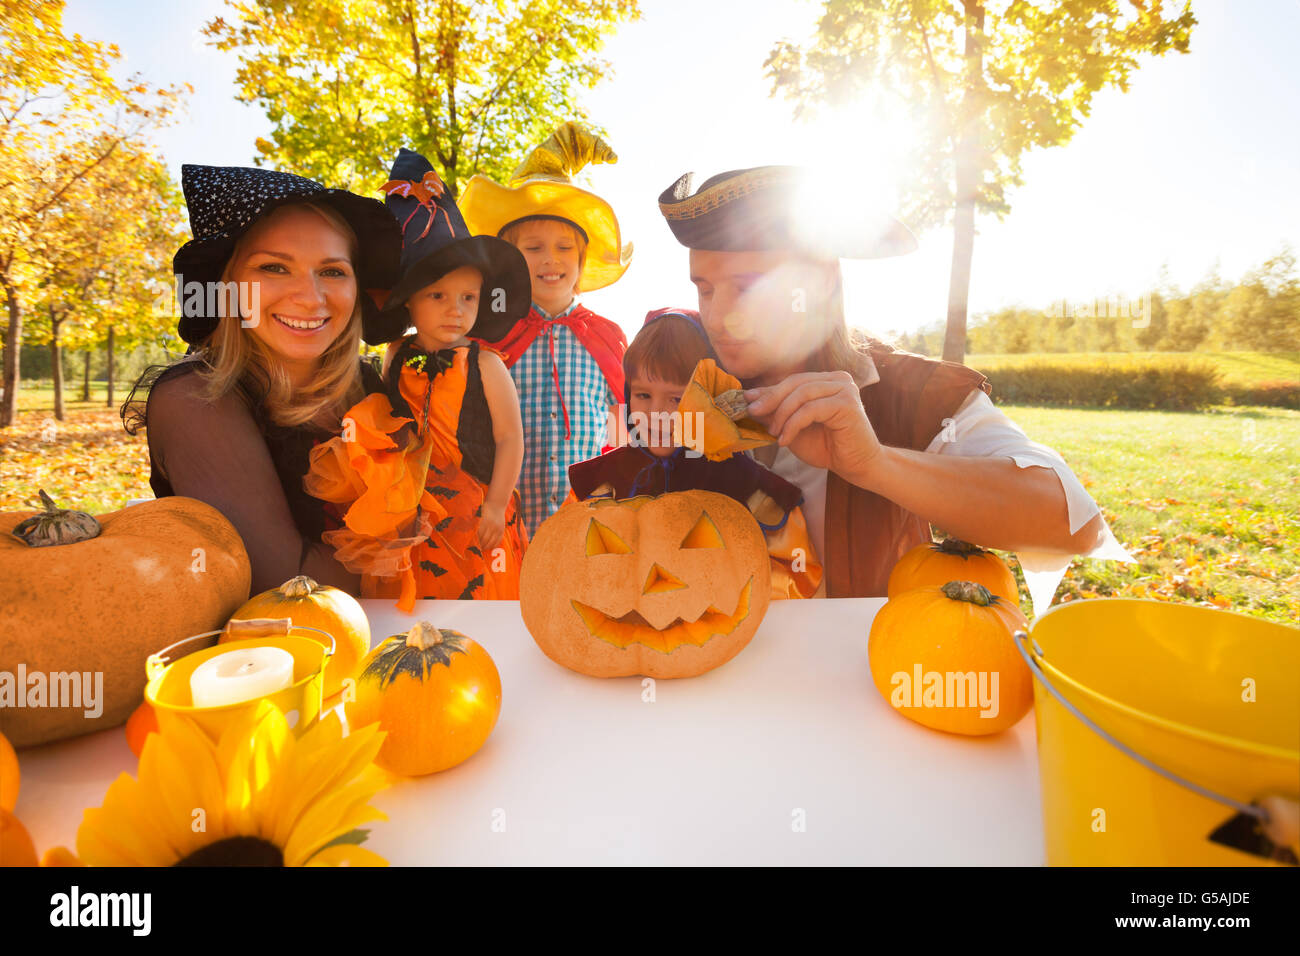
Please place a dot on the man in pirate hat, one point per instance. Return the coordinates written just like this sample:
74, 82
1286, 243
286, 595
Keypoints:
881, 442
566, 361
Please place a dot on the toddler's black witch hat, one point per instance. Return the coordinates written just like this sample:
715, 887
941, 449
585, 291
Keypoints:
781, 208
225, 201
435, 241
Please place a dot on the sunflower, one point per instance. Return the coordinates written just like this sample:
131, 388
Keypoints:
257, 797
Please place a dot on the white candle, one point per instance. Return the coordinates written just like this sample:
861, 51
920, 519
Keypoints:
243, 674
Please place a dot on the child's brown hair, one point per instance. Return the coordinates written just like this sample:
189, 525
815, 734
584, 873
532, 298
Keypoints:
667, 349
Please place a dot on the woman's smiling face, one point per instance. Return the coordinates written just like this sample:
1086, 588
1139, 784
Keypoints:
305, 286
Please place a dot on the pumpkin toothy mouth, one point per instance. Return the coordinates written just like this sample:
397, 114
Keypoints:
632, 628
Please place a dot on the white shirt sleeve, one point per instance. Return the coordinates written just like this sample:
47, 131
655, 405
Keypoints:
980, 430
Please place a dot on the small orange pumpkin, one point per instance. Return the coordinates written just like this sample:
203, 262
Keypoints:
946, 658
939, 562
668, 585
309, 604
434, 692
10, 778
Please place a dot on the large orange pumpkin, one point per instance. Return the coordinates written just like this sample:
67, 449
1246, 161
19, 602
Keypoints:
309, 604
938, 562
434, 692
945, 657
85, 595
671, 585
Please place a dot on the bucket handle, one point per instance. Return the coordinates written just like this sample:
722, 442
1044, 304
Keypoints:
157, 661
1022, 639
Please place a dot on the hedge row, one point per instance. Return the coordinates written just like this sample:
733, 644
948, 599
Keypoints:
1173, 386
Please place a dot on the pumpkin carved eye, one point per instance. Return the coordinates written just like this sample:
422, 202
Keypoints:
601, 540
704, 534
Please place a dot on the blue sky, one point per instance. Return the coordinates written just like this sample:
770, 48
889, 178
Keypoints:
1196, 165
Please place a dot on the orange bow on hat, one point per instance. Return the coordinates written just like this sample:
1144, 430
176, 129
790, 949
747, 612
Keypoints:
426, 192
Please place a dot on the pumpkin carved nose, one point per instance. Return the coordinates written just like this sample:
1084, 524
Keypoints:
659, 580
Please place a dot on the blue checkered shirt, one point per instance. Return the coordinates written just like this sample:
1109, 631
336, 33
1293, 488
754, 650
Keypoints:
544, 477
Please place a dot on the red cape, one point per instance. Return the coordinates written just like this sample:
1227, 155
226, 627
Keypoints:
603, 339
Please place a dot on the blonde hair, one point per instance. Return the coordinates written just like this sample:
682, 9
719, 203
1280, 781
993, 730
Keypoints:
237, 359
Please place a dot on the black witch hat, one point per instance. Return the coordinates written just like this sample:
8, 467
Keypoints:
225, 201
435, 241
768, 208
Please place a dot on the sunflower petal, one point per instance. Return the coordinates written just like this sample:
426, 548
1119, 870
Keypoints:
320, 770
333, 814
346, 855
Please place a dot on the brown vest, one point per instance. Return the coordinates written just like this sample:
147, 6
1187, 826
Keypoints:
866, 534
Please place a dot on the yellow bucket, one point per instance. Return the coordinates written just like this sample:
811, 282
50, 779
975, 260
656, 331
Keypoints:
1159, 726
168, 689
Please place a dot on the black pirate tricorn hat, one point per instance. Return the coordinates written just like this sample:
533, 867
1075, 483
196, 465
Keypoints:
225, 201
435, 241
768, 208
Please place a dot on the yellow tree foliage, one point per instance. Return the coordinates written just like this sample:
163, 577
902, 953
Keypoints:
106, 263
469, 83
64, 118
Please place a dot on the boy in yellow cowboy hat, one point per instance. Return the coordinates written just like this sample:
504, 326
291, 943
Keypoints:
566, 361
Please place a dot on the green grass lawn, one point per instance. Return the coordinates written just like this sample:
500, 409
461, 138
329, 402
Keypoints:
1208, 502
40, 399
1242, 367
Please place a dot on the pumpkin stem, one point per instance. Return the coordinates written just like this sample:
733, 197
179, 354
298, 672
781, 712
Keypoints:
963, 548
976, 594
423, 636
55, 525
299, 587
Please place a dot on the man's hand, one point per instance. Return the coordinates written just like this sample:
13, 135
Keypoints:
819, 417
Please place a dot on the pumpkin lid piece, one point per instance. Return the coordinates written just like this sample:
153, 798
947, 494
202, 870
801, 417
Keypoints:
56, 526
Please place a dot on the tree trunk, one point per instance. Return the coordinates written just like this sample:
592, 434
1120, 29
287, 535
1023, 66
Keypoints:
110, 367
13, 355
967, 176
56, 364
85, 377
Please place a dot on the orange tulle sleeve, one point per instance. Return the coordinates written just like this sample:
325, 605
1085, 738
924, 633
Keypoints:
382, 484
716, 435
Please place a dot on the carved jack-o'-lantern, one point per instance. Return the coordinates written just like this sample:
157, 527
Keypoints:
665, 586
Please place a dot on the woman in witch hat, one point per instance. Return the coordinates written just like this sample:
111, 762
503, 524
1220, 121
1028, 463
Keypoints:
428, 474
272, 367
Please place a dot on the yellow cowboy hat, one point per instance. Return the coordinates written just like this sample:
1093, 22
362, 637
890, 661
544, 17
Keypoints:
542, 187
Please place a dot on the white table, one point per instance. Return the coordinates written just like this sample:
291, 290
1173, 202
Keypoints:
718, 769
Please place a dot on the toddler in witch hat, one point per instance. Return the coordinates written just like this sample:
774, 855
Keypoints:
429, 469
